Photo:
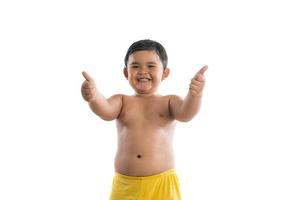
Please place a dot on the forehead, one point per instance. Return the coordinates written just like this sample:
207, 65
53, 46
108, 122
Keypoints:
144, 56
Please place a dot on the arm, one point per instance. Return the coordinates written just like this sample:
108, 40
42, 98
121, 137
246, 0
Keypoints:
185, 110
107, 109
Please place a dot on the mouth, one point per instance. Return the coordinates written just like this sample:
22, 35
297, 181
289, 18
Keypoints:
143, 79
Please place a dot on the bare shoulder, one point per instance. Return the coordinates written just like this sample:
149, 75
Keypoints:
125, 98
175, 102
116, 100
116, 97
174, 98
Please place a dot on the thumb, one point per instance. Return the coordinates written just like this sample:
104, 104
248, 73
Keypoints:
202, 70
87, 76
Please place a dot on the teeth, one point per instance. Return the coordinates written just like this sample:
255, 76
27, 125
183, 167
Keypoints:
143, 79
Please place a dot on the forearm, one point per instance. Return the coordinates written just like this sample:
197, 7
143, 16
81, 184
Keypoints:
190, 106
185, 110
100, 106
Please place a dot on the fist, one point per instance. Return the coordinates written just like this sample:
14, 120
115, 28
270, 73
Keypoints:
88, 88
198, 82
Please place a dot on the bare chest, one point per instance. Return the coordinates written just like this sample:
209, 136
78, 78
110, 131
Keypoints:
145, 112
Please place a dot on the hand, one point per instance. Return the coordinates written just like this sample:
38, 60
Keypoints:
88, 88
198, 82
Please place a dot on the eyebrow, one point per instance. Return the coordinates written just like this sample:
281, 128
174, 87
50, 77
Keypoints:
137, 63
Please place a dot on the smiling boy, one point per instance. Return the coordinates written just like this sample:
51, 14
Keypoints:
144, 162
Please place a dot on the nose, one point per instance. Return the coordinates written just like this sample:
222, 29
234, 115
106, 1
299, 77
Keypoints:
142, 70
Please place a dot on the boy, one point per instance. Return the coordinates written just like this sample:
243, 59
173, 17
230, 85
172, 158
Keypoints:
144, 163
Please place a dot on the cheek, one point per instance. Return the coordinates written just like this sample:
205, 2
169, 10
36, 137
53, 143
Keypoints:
159, 75
131, 73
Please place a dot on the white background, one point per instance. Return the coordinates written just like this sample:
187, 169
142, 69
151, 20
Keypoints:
244, 143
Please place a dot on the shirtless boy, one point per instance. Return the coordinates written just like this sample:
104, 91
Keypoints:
144, 163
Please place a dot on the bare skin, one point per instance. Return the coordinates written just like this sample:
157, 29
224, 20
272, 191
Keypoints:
146, 120
145, 136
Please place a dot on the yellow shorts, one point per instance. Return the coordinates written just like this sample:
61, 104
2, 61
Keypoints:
163, 186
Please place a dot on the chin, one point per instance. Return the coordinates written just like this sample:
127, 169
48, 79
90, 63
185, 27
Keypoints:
141, 92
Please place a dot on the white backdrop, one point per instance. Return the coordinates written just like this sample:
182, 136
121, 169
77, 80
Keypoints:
244, 143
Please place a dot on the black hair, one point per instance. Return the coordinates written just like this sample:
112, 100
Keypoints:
148, 45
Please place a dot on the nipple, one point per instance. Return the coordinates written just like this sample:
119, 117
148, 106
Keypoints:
139, 156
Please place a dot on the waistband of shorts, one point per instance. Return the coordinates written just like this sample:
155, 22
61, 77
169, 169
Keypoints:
165, 173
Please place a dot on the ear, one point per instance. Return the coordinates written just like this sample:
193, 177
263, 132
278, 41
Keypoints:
166, 73
125, 72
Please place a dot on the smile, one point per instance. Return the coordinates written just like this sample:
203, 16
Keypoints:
143, 79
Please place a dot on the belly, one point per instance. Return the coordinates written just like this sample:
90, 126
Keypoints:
144, 154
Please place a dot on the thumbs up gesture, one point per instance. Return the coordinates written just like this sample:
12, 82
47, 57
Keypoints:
88, 88
198, 82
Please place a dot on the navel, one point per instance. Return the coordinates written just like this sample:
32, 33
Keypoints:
139, 156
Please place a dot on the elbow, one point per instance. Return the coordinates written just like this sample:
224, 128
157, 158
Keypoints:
186, 115
184, 118
107, 117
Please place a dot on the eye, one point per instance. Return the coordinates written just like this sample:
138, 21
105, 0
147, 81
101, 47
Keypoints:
134, 66
151, 66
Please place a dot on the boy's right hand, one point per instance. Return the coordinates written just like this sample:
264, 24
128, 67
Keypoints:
88, 88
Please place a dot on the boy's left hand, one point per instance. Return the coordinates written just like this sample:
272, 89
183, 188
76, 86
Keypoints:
198, 82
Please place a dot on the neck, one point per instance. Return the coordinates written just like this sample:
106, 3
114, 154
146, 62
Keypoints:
145, 94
